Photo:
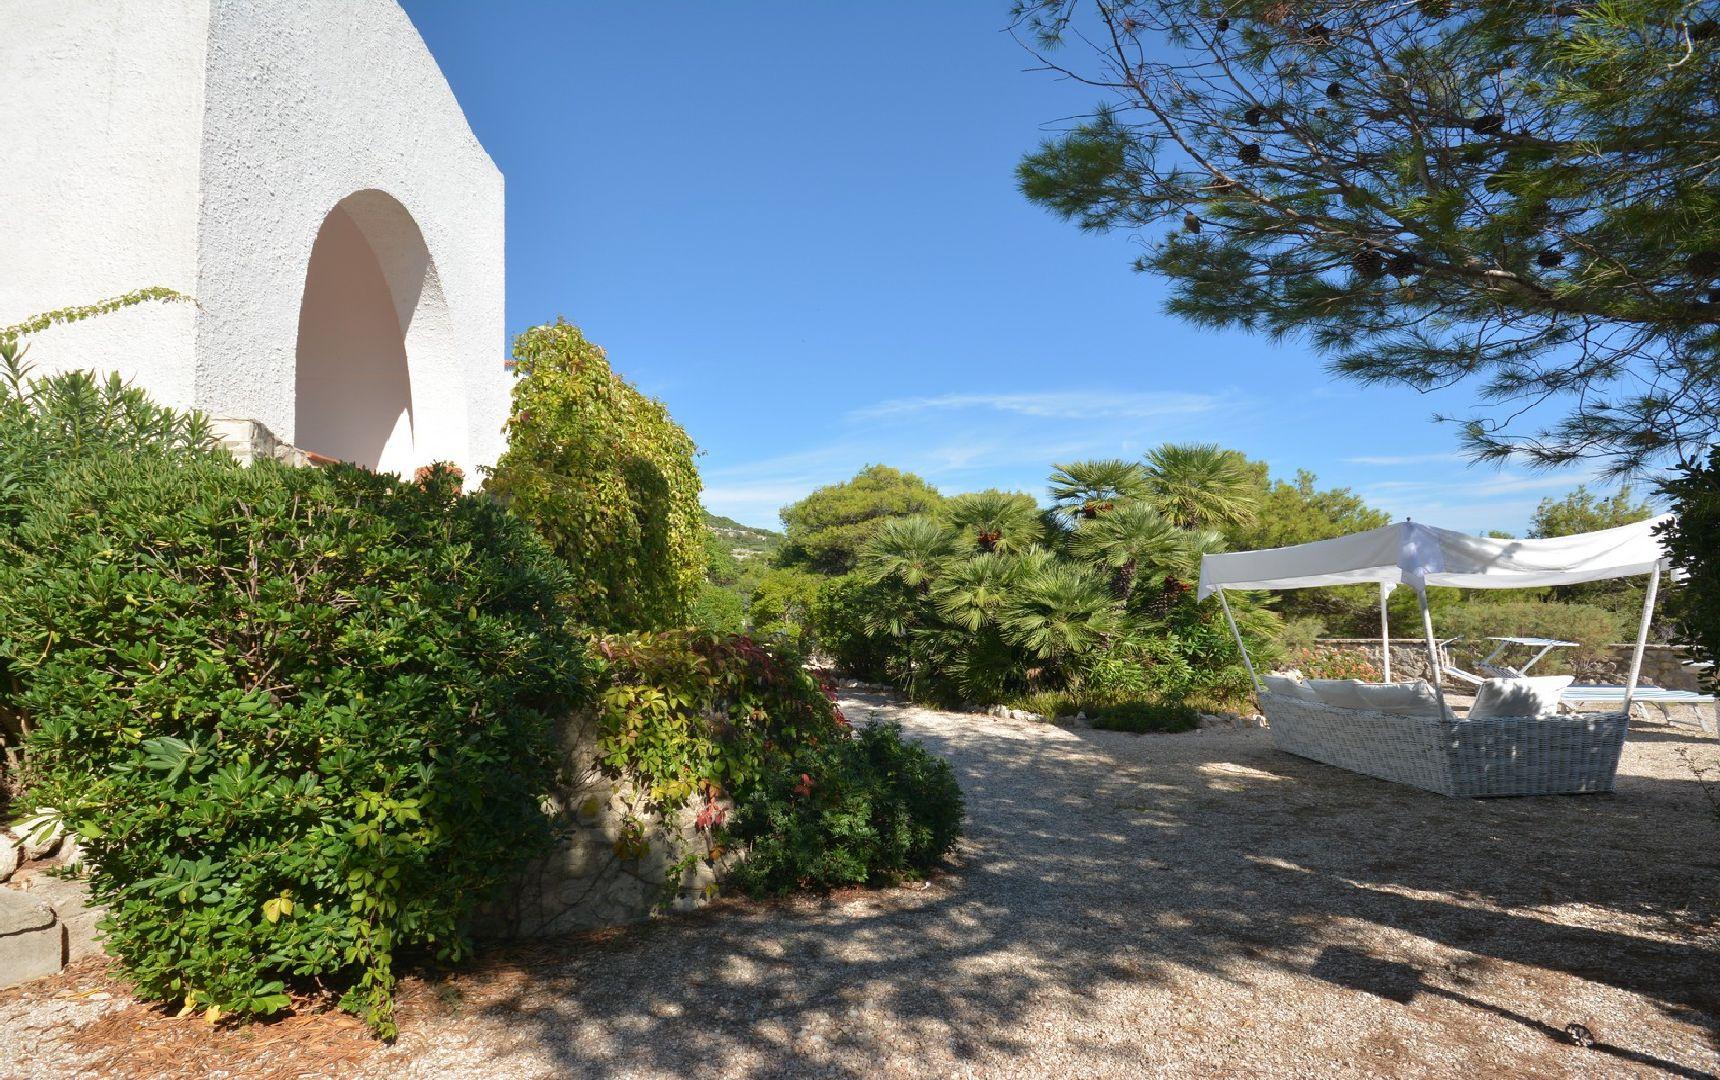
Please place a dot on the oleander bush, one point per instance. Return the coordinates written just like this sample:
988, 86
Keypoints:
872, 808
299, 718
606, 476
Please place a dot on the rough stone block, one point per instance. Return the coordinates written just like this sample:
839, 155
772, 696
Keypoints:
32, 942
69, 900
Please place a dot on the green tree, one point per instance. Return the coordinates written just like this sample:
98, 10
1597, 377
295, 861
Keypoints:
1086, 489
1583, 511
827, 528
1060, 613
1693, 540
1201, 485
996, 521
1513, 192
782, 605
1127, 540
606, 476
908, 550
1300, 512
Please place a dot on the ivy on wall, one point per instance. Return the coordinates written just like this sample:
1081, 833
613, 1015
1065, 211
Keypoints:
606, 476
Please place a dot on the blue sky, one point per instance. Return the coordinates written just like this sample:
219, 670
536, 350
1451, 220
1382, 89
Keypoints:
796, 223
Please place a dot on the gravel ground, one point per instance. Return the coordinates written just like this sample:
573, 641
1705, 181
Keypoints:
1185, 905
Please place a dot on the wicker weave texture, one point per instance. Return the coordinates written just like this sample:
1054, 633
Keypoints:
1506, 755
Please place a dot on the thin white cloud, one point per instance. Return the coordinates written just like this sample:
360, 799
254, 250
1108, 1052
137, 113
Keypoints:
1060, 405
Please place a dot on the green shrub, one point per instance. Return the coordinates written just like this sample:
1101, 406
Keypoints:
1592, 627
298, 717
718, 609
870, 809
606, 476
782, 606
1145, 716
1693, 540
1328, 662
46, 424
840, 612
687, 714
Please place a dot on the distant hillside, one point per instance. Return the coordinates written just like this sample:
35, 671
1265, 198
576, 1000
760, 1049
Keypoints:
742, 541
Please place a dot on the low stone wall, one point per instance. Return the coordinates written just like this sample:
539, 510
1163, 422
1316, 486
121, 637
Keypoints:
613, 862
1662, 665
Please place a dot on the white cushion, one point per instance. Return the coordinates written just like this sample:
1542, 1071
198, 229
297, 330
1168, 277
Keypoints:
1340, 693
1400, 699
1538, 696
1289, 686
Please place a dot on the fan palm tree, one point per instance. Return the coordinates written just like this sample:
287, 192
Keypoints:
1129, 540
909, 550
970, 593
1060, 612
1086, 489
1000, 521
1201, 485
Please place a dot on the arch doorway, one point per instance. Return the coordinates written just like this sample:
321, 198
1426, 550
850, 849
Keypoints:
369, 282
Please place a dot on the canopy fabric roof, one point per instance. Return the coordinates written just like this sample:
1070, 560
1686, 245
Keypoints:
1410, 553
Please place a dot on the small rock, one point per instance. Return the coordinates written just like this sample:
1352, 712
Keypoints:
11, 856
42, 850
71, 852
32, 944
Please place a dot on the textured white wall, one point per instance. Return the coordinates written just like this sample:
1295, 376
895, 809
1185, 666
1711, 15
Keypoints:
101, 120
200, 144
309, 102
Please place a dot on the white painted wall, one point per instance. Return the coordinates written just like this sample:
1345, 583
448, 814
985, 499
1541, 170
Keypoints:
309, 102
101, 122
202, 144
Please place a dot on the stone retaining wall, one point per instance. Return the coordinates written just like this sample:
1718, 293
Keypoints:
613, 863
1662, 665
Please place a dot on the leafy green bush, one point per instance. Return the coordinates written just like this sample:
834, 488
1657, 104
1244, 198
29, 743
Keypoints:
841, 611
1327, 662
1145, 716
606, 476
298, 717
870, 809
782, 606
1592, 628
1693, 540
688, 714
45, 425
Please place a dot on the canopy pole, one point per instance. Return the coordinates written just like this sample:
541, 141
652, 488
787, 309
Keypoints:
1240, 647
1641, 638
1432, 649
1385, 635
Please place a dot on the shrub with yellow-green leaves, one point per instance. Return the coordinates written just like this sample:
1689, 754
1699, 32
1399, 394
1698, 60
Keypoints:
606, 476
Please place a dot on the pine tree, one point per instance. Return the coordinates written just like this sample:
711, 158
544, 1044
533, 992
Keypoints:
1520, 194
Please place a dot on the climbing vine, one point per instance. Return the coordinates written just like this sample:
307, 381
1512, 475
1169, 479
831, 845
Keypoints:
606, 476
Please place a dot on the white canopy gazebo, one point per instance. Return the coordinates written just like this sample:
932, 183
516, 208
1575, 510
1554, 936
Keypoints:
1434, 749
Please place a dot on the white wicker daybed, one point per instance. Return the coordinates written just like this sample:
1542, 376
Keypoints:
1548, 753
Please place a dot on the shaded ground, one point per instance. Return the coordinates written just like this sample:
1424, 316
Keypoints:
1189, 905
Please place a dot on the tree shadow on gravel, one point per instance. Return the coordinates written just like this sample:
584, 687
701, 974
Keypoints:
1095, 860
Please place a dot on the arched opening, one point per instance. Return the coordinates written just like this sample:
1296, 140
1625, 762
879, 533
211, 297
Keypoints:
370, 276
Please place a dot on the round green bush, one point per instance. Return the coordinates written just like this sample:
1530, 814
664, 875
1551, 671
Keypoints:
869, 809
298, 717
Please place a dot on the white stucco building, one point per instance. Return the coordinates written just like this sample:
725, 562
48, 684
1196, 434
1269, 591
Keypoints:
302, 170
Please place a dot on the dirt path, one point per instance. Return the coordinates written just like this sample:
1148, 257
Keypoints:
1195, 905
